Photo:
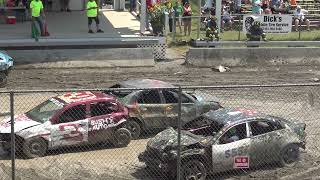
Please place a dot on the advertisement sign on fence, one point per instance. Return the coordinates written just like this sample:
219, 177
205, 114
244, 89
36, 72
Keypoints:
270, 23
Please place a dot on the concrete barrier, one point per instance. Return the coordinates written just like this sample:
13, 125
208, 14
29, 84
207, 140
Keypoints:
208, 57
65, 58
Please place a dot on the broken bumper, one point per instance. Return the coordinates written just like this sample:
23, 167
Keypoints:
153, 162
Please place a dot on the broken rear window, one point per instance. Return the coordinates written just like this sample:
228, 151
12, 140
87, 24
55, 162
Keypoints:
204, 121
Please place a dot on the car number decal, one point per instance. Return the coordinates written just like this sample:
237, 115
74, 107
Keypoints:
236, 151
77, 96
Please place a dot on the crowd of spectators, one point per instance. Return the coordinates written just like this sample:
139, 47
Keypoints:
232, 8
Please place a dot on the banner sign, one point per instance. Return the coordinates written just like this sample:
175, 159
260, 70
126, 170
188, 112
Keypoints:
270, 23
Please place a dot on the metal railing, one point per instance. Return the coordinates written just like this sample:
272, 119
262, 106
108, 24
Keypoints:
171, 130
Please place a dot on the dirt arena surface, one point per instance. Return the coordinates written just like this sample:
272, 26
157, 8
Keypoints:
105, 162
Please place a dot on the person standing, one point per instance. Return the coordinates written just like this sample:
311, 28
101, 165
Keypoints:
178, 14
36, 8
65, 5
187, 13
92, 14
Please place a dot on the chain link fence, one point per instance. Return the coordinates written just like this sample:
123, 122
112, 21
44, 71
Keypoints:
216, 132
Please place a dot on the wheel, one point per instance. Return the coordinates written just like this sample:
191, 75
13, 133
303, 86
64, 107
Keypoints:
134, 128
3, 79
289, 155
122, 137
193, 170
35, 147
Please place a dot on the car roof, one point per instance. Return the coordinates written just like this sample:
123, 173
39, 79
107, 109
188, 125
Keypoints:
81, 96
144, 83
229, 115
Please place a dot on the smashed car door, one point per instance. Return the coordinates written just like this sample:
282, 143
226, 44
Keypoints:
71, 127
233, 144
151, 109
265, 138
102, 121
188, 108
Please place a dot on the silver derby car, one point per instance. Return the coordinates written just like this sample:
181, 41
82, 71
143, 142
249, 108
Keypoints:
239, 138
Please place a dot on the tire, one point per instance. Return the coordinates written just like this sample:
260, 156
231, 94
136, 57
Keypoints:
3, 79
289, 155
35, 147
134, 128
122, 137
193, 170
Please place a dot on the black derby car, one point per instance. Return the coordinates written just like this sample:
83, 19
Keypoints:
215, 141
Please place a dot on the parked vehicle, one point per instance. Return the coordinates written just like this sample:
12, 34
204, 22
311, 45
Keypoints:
215, 141
70, 119
6, 63
158, 108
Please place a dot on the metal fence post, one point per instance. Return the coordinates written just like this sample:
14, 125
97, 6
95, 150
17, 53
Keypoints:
199, 20
174, 26
179, 135
13, 152
239, 27
299, 29
311, 98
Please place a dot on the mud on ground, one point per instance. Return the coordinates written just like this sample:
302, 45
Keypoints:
108, 163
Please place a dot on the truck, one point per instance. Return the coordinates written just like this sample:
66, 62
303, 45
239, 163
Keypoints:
6, 64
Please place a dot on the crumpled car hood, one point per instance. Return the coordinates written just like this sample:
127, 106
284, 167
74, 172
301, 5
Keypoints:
169, 137
21, 122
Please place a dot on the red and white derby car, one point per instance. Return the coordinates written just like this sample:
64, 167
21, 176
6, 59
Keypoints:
70, 119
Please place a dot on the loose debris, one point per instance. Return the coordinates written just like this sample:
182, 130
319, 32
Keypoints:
221, 68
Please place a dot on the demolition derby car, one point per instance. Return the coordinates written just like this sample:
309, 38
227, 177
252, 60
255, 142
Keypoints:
70, 119
224, 140
158, 108
6, 63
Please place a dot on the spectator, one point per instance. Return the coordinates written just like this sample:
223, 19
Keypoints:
187, 13
178, 14
36, 8
256, 7
133, 5
293, 4
265, 4
226, 18
92, 14
299, 16
256, 32
275, 5
237, 6
212, 28
65, 5
267, 11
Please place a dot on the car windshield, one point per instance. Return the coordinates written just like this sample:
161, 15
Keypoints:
44, 111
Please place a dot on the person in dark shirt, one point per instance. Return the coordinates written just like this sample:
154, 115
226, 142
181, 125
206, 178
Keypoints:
212, 28
255, 32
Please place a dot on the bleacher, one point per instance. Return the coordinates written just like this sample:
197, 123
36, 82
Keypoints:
313, 6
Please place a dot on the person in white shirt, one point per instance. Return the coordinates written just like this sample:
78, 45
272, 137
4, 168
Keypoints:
299, 17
